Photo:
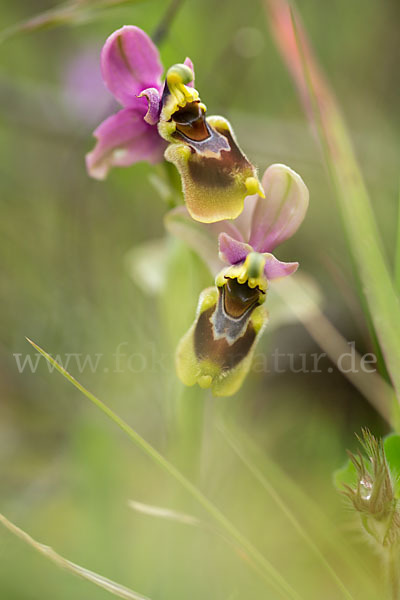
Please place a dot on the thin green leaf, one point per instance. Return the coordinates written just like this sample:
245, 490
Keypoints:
391, 444
107, 584
352, 196
254, 556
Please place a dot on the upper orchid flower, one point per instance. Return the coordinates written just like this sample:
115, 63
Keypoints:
216, 175
216, 352
168, 119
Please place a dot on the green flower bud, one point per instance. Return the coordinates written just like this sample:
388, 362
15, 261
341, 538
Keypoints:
374, 495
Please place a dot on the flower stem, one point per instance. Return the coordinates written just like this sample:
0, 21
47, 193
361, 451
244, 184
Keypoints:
189, 424
397, 254
164, 26
393, 572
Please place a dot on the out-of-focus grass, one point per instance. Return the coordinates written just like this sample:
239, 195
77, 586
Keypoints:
66, 475
376, 282
111, 586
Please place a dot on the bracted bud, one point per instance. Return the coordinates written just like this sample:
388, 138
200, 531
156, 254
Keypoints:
373, 495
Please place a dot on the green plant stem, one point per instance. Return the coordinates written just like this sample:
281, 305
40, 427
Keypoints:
163, 28
393, 572
261, 565
188, 431
397, 254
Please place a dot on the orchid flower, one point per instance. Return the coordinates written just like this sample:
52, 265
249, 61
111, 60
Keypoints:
217, 350
167, 119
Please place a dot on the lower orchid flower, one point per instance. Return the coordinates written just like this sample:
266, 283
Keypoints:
167, 119
217, 350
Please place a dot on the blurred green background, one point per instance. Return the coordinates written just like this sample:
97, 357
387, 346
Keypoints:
66, 473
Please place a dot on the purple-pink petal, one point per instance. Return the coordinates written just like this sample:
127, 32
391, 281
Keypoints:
122, 140
130, 63
231, 250
278, 216
275, 268
189, 64
153, 105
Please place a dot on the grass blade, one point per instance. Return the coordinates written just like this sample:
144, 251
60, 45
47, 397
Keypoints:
350, 190
107, 584
76, 11
320, 525
182, 518
165, 513
284, 508
254, 556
